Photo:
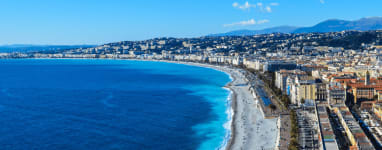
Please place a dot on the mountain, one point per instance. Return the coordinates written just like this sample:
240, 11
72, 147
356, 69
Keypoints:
332, 25
31, 48
280, 29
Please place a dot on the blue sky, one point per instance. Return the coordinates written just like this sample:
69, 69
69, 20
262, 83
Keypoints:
103, 21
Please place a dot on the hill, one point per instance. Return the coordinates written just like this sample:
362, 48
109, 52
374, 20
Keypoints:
332, 25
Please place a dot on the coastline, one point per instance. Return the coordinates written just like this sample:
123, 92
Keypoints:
245, 115
249, 129
227, 144
233, 107
228, 141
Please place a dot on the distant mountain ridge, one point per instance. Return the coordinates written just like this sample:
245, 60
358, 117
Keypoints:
332, 25
280, 29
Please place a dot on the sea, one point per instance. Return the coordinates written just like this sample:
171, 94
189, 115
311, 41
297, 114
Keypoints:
91, 104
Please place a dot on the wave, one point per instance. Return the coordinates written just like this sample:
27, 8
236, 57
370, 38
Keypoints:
8, 94
106, 100
228, 124
229, 110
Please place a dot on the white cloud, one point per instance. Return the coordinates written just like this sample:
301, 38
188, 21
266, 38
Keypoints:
260, 6
247, 23
274, 4
241, 23
245, 6
235, 4
268, 9
322, 1
262, 21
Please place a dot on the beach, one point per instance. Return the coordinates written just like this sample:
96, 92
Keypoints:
249, 129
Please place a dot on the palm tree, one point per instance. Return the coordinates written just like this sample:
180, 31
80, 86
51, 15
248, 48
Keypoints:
302, 101
273, 107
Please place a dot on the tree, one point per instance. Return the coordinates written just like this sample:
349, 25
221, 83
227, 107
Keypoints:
293, 144
273, 107
302, 101
294, 131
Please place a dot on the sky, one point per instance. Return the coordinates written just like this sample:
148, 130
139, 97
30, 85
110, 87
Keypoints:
71, 22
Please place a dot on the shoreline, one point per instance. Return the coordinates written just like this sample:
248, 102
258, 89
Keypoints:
233, 127
245, 115
226, 143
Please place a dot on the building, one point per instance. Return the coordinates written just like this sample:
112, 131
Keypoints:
365, 91
273, 66
328, 139
354, 133
336, 93
321, 92
305, 90
282, 76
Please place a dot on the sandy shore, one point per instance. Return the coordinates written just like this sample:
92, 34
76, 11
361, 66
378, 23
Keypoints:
249, 129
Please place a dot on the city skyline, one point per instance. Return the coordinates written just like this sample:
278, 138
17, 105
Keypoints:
97, 22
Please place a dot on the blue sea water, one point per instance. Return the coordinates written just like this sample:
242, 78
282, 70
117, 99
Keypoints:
111, 104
